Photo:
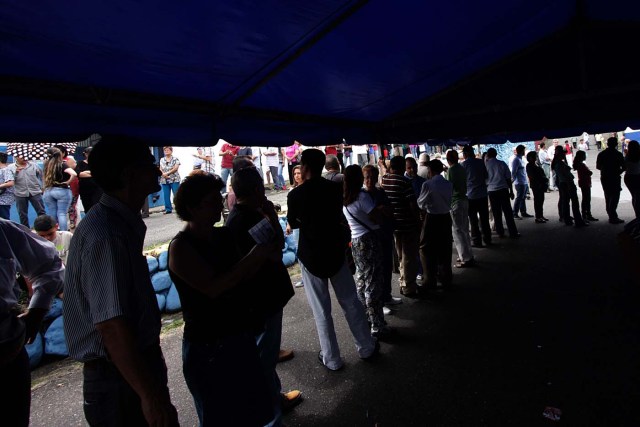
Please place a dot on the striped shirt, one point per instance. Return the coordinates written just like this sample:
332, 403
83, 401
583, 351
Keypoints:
107, 277
401, 196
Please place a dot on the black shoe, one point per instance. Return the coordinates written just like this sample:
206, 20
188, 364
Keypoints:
616, 221
544, 219
526, 215
374, 354
516, 216
515, 236
581, 224
540, 221
590, 218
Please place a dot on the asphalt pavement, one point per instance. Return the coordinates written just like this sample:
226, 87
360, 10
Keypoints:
548, 320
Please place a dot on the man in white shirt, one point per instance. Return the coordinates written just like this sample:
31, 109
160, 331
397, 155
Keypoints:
205, 159
272, 162
545, 161
582, 145
361, 154
435, 241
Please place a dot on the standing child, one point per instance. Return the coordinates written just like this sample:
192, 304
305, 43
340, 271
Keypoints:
539, 183
584, 182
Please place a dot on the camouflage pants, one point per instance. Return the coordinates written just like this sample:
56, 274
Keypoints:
367, 254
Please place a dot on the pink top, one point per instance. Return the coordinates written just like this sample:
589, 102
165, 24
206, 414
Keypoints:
290, 151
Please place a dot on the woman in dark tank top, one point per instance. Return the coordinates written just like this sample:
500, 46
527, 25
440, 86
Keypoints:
220, 357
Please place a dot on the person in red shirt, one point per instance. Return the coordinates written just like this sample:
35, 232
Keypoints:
331, 150
228, 153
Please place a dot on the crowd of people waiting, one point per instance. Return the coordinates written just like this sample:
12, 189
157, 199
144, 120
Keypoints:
233, 295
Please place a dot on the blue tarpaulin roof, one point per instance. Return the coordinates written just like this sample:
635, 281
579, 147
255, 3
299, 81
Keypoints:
267, 72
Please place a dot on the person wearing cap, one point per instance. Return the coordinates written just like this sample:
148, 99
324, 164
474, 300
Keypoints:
423, 168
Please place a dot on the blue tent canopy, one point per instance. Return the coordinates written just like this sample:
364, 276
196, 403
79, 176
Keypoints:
267, 72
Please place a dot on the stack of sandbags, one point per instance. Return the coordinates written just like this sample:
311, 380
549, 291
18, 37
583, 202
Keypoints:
290, 248
166, 293
54, 342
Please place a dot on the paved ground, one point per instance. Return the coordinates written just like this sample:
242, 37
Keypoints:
547, 320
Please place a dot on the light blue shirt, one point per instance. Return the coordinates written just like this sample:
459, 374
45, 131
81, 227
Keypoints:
518, 172
499, 175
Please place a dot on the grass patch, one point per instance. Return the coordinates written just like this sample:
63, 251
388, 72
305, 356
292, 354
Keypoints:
294, 271
171, 322
155, 250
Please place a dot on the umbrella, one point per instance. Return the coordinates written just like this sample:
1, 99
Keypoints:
36, 150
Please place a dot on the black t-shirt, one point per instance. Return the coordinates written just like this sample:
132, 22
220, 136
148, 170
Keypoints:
230, 313
316, 208
87, 185
611, 163
61, 177
275, 287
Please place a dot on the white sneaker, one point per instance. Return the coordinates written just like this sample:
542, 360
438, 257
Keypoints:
298, 284
419, 278
394, 301
387, 311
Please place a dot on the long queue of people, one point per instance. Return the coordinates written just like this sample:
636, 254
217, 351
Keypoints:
232, 282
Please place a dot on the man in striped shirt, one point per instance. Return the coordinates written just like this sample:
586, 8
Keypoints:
112, 321
406, 230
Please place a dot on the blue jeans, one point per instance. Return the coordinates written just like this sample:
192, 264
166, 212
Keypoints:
519, 205
57, 201
225, 174
22, 205
268, 343
166, 191
226, 381
280, 177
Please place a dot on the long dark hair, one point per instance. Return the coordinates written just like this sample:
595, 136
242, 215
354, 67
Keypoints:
633, 151
578, 159
352, 184
559, 156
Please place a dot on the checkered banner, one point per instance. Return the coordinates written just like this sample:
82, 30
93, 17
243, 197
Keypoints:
36, 150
